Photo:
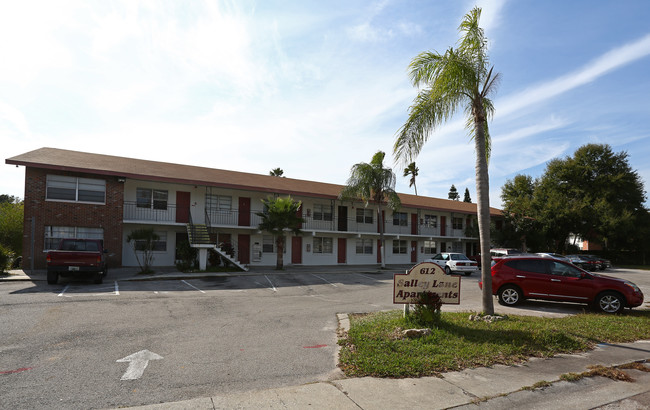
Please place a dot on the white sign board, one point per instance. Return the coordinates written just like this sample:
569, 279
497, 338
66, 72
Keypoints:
426, 277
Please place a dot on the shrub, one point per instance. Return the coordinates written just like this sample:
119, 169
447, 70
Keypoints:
427, 311
6, 257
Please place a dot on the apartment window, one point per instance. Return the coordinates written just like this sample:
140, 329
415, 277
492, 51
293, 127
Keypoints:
364, 216
399, 246
429, 247
400, 219
322, 212
159, 245
151, 198
63, 188
267, 244
457, 223
364, 246
54, 234
431, 221
217, 203
323, 245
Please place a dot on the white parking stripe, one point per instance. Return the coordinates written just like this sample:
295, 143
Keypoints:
272, 285
64, 289
117, 289
192, 286
324, 280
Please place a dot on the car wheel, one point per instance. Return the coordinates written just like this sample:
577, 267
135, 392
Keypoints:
468, 273
510, 295
447, 270
610, 302
52, 278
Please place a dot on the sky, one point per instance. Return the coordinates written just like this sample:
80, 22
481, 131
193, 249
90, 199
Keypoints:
314, 87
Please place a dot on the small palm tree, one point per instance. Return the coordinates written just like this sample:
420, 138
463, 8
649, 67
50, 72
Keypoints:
412, 170
280, 215
373, 182
459, 77
276, 172
143, 241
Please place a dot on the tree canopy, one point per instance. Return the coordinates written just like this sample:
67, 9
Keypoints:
412, 170
373, 182
280, 215
467, 198
453, 193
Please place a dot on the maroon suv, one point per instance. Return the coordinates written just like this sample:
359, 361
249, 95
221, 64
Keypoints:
517, 278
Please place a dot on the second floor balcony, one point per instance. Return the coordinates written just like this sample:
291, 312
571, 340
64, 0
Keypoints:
171, 214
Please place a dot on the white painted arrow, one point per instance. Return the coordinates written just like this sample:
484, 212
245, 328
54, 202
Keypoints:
137, 363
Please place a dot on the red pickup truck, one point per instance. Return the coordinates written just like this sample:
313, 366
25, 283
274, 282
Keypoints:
78, 257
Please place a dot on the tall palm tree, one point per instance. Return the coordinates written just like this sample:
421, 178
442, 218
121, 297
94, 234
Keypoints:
373, 183
461, 76
280, 214
412, 170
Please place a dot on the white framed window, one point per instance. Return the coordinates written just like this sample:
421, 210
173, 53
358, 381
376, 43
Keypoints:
323, 245
322, 212
364, 246
218, 203
74, 189
400, 219
430, 221
151, 198
457, 223
159, 245
399, 246
54, 234
268, 244
364, 215
429, 248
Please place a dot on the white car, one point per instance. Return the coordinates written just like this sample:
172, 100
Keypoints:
454, 262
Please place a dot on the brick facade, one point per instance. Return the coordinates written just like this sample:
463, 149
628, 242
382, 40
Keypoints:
73, 214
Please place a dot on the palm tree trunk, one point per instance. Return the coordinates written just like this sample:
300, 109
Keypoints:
279, 264
382, 243
483, 210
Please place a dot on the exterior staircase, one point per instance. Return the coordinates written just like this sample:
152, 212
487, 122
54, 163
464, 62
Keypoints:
199, 237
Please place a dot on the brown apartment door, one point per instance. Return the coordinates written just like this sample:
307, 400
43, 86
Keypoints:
296, 250
443, 227
182, 207
343, 218
414, 251
244, 211
244, 249
342, 251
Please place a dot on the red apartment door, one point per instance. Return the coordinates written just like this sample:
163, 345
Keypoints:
296, 250
244, 212
414, 251
378, 250
342, 256
443, 226
244, 249
182, 207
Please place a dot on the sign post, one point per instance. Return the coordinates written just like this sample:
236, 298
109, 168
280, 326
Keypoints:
425, 277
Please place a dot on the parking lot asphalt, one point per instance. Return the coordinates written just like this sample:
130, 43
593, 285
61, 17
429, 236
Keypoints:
536, 384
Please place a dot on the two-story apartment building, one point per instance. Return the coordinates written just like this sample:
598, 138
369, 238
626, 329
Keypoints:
77, 194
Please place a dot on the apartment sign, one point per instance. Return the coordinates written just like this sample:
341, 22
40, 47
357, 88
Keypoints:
426, 277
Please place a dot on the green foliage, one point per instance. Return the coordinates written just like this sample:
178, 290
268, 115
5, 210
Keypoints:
594, 194
280, 214
520, 228
11, 225
276, 172
453, 193
467, 198
427, 310
186, 255
413, 171
374, 345
143, 241
6, 257
375, 183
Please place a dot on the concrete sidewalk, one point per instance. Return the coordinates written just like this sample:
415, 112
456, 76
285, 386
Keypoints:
497, 387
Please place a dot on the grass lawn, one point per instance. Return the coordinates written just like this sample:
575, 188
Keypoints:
374, 346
